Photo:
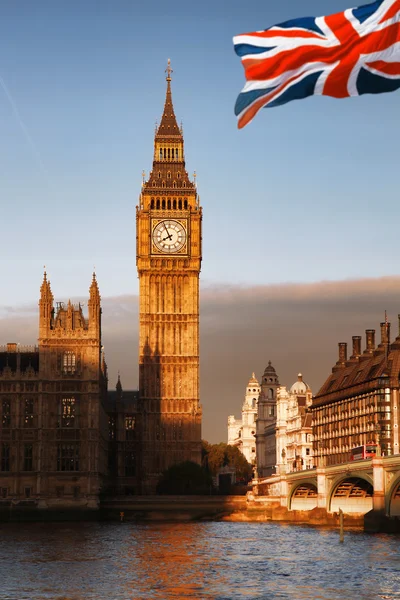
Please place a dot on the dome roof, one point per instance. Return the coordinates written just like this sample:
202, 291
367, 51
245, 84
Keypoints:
300, 387
253, 380
269, 369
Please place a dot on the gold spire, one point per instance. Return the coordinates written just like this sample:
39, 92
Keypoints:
168, 125
168, 70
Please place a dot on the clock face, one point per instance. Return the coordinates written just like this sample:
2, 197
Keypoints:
169, 236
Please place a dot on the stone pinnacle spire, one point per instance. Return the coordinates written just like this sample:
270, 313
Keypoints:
168, 125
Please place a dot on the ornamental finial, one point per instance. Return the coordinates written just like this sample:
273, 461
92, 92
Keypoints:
168, 70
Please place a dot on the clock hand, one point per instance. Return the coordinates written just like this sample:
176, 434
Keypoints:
169, 236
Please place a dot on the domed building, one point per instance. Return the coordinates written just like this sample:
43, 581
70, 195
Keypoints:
294, 440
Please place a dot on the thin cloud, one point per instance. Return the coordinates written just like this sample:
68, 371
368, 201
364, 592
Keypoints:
296, 326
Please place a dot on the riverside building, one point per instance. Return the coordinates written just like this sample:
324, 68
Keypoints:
358, 403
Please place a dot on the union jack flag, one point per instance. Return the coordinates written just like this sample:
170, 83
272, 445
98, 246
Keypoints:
346, 54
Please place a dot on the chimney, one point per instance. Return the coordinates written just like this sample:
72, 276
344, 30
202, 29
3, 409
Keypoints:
342, 353
356, 346
370, 333
385, 333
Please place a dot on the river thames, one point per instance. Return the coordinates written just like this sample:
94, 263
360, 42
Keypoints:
125, 561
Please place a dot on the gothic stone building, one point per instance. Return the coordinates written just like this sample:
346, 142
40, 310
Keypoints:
168, 258
53, 427
359, 401
63, 438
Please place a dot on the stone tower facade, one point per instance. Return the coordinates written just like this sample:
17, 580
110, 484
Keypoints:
266, 423
242, 433
168, 229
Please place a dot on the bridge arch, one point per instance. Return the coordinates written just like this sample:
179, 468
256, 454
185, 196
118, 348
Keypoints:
352, 493
393, 503
304, 496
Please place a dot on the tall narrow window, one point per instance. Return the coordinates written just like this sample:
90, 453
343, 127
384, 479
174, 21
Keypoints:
5, 457
28, 457
69, 362
28, 413
130, 464
6, 413
68, 457
68, 412
129, 427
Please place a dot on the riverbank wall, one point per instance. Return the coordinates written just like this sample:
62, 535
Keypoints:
195, 508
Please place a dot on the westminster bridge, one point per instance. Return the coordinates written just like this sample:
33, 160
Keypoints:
355, 487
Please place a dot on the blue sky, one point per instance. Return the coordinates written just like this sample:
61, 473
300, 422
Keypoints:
305, 193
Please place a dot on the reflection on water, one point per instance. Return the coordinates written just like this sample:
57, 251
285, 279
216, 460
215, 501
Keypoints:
127, 561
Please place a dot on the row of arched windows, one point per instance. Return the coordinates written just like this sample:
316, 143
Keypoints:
169, 154
169, 204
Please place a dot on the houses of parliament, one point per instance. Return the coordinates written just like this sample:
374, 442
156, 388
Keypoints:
64, 438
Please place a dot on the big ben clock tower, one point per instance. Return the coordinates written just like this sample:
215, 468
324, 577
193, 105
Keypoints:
168, 258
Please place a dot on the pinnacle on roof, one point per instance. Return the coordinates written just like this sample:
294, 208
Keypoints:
168, 125
94, 288
45, 288
253, 380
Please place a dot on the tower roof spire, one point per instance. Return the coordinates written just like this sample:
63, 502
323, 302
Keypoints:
168, 125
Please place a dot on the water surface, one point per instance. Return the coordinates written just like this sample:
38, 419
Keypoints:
128, 561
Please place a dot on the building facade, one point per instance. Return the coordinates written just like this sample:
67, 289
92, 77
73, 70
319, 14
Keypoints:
294, 439
53, 428
242, 432
359, 402
168, 230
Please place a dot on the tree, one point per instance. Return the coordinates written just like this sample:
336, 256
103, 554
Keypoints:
216, 456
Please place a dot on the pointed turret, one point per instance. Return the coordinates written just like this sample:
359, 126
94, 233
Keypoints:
45, 306
168, 175
118, 387
94, 308
168, 125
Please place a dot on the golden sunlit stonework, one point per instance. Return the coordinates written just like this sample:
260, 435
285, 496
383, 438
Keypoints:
168, 229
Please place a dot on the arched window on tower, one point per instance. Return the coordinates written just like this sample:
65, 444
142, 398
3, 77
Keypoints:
174, 184
69, 362
270, 393
174, 203
180, 204
161, 154
169, 204
169, 154
176, 153
152, 203
158, 203
163, 203
186, 203
169, 175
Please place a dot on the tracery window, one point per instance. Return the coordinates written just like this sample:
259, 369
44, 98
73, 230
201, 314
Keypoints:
6, 413
5, 457
28, 457
129, 427
68, 412
67, 457
130, 464
28, 413
69, 362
